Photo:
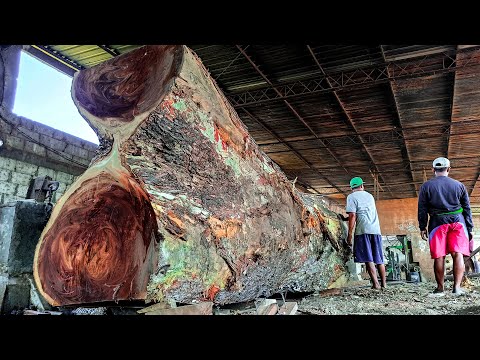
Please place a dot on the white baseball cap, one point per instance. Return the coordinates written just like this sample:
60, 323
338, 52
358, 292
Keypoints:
441, 162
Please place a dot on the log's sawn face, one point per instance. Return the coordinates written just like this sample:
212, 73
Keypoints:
127, 86
98, 246
102, 239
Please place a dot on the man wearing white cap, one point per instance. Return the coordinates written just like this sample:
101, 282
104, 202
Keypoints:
443, 203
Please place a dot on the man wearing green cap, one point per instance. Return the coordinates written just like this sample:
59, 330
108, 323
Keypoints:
367, 244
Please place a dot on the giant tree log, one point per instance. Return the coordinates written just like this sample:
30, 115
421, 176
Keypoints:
179, 202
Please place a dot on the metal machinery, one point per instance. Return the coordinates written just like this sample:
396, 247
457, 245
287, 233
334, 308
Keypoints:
42, 188
400, 259
22, 224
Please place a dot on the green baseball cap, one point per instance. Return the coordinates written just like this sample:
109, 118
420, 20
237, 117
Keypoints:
356, 182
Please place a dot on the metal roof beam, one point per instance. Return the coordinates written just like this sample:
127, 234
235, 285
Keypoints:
386, 136
297, 115
451, 111
363, 171
364, 77
110, 50
347, 115
392, 184
274, 134
458, 163
450, 135
404, 149
408, 195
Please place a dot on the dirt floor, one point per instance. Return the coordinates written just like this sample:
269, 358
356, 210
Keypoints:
357, 298
399, 298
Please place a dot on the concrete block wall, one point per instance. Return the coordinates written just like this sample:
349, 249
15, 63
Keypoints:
476, 227
31, 149
15, 177
28, 148
399, 217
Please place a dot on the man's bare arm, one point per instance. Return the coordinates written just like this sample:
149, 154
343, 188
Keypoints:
352, 217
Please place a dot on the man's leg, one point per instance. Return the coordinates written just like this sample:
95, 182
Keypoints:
377, 256
438, 249
459, 246
373, 274
362, 252
458, 270
383, 276
439, 269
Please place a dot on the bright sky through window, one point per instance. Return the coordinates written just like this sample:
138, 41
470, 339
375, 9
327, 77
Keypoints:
43, 95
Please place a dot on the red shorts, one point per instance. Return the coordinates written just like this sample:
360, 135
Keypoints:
448, 238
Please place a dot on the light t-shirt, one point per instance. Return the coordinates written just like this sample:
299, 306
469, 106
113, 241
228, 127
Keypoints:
363, 204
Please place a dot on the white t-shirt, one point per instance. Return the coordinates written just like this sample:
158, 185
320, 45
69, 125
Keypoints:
363, 204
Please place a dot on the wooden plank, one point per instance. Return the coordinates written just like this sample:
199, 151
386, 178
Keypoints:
154, 307
289, 308
204, 308
474, 252
264, 304
270, 309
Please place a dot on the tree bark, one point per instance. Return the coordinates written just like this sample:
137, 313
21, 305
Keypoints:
179, 203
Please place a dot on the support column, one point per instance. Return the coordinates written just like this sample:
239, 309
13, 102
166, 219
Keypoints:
9, 65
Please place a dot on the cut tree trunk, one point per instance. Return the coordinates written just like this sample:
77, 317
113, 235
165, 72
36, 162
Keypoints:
179, 202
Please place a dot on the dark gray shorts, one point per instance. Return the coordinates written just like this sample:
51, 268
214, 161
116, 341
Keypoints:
368, 248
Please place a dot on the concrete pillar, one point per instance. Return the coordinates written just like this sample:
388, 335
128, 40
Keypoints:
9, 66
21, 223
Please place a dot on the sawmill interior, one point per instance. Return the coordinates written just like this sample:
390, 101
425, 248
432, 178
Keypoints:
220, 179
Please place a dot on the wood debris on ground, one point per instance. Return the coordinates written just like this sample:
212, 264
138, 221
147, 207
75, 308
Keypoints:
403, 298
